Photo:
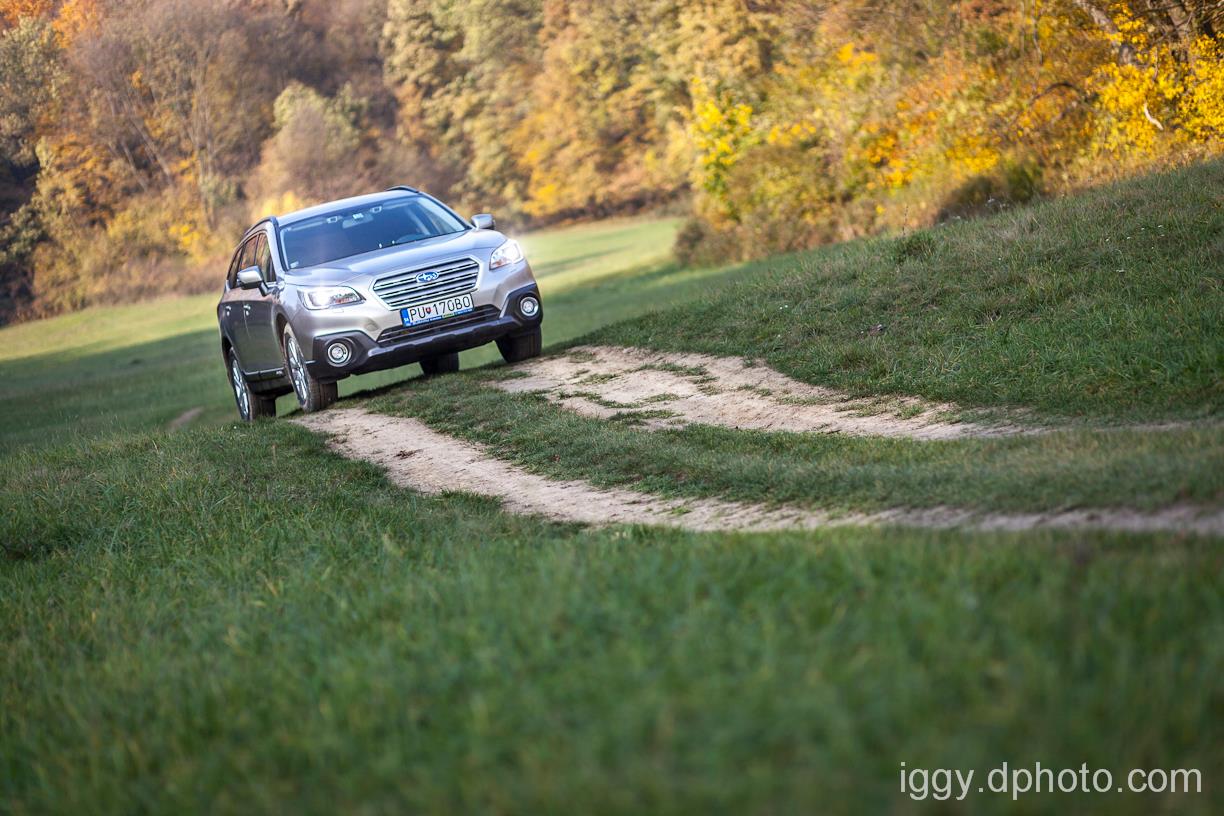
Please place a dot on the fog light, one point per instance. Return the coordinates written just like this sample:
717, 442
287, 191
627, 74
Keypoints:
339, 353
529, 306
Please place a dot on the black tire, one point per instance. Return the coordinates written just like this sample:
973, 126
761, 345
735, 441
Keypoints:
311, 394
441, 364
251, 406
516, 348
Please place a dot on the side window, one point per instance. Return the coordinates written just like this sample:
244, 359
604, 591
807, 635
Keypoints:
263, 258
231, 277
246, 258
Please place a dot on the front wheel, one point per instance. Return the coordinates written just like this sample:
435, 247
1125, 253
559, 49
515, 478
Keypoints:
312, 395
516, 348
251, 406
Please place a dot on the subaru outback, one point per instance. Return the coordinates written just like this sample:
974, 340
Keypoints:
365, 284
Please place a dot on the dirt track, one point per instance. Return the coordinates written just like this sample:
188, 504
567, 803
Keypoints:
668, 390
420, 458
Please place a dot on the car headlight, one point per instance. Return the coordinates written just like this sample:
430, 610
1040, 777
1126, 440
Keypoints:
508, 253
325, 297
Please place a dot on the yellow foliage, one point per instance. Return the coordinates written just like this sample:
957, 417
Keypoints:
1159, 99
543, 197
1202, 105
973, 155
791, 135
143, 225
285, 202
188, 236
720, 130
853, 59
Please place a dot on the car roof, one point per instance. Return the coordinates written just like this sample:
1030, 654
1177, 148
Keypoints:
344, 203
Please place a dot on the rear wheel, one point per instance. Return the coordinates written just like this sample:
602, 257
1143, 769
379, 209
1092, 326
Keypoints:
441, 364
251, 406
515, 348
312, 395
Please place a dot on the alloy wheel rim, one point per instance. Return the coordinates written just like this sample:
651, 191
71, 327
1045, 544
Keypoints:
297, 368
240, 392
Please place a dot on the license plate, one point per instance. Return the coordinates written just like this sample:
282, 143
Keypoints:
439, 309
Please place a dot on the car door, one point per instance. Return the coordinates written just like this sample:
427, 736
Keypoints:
230, 313
260, 311
240, 303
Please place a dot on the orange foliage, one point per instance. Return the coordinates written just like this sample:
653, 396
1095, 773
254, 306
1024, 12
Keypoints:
13, 10
77, 17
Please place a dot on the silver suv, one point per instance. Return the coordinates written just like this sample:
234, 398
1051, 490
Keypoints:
364, 284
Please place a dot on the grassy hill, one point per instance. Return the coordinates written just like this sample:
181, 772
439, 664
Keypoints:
1106, 305
234, 619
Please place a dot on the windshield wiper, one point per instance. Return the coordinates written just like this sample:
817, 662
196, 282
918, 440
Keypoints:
423, 238
409, 241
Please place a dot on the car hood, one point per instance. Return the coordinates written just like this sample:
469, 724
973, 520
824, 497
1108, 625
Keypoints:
372, 265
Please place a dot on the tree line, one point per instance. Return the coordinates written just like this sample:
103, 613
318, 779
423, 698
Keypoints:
138, 137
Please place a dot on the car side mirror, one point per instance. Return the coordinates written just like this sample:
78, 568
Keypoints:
250, 278
482, 221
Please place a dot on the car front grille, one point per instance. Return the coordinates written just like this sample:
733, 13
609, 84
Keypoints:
400, 333
455, 277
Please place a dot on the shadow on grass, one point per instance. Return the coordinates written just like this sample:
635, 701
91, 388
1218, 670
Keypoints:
51, 396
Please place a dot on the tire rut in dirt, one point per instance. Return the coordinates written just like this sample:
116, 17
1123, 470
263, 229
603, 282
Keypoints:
418, 457
668, 390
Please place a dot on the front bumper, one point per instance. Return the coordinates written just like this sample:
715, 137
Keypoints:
401, 346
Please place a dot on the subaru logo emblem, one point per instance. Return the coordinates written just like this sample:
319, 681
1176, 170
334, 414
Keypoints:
427, 277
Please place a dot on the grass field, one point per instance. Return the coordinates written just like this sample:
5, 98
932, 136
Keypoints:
226, 632
234, 619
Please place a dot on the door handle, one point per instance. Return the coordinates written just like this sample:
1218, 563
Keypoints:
246, 309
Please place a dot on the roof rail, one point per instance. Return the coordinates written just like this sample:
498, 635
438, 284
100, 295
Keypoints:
403, 187
270, 219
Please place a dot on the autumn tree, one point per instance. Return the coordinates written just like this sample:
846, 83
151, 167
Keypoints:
461, 71
29, 69
312, 154
142, 132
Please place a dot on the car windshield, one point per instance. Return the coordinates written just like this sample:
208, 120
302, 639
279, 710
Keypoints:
343, 233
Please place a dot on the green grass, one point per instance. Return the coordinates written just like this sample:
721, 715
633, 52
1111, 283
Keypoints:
573, 257
111, 370
232, 619
195, 628
1108, 304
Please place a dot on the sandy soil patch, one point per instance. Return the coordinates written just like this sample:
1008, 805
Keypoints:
668, 390
184, 419
417, 457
